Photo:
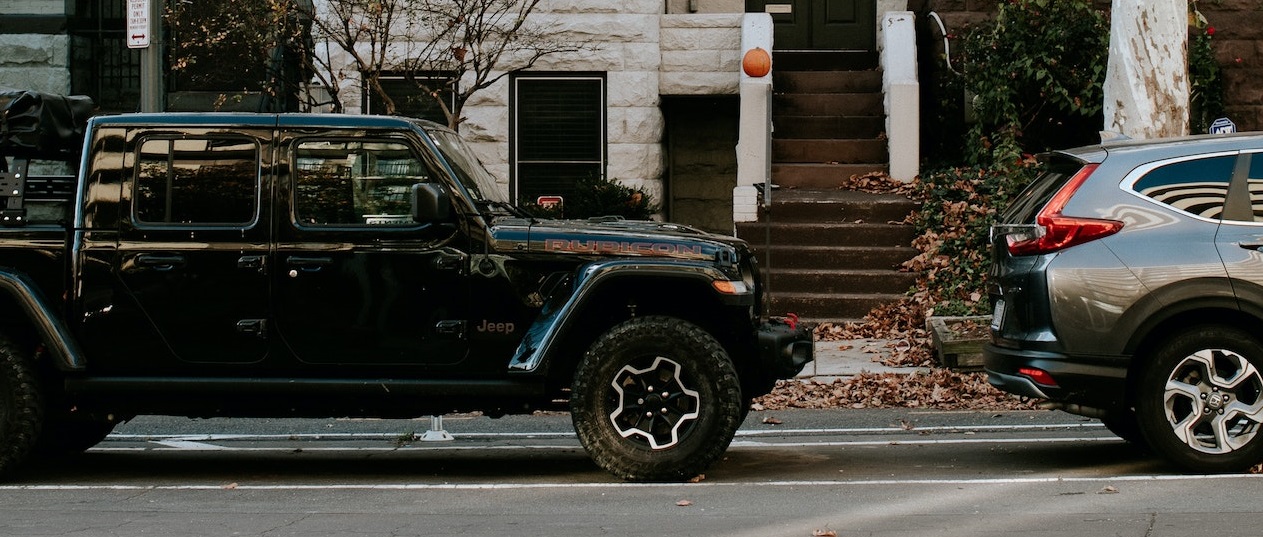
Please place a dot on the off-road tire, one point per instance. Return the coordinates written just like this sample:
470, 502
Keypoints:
1193, 396
21, 407
684, 361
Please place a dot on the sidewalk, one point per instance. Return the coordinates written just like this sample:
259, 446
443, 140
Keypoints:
844, 358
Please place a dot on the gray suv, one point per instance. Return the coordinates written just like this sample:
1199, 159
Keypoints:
1128, 286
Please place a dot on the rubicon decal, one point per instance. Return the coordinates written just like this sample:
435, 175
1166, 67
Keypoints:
621, 247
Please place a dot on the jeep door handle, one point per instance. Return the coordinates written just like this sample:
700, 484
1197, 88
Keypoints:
160, 261
308, 264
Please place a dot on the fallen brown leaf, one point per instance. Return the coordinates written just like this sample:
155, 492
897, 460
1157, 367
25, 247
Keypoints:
824, 533
230, 486
683, 503
771, 420
697, 478
1109, 489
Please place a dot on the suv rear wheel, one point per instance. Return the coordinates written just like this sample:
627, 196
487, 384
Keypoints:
1200, 403
656, 398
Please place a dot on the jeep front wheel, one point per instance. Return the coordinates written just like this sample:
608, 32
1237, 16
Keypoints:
656, 398
1200, 402
21, 407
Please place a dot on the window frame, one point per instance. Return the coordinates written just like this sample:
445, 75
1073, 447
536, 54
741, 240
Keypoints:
515, 139
1128, 184
294, 148
172, 139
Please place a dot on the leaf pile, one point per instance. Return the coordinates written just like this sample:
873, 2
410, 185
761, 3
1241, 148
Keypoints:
937, 388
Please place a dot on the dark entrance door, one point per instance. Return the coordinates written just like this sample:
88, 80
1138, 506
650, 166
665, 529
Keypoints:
821, 24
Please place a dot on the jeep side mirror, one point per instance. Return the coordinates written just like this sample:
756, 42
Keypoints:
430, 202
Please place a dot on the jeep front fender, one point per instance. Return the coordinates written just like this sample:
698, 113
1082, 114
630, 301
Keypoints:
52, 330
558, 315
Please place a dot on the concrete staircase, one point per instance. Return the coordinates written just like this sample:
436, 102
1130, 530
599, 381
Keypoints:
829, 254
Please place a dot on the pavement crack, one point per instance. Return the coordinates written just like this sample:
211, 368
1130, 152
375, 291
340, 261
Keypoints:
1153, 521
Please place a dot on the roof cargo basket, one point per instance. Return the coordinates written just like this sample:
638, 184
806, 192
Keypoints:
36, 125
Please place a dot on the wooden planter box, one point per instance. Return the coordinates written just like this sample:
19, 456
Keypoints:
958, 341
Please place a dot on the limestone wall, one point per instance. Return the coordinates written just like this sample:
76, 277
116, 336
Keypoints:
35, 62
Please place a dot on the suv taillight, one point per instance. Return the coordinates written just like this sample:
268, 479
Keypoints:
1054, 231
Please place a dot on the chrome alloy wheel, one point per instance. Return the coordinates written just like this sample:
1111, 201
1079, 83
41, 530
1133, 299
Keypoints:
1214, 401
653, 403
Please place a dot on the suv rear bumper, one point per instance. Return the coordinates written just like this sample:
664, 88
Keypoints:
1095, 382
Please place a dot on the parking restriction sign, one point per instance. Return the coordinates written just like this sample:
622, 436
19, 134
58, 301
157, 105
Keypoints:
138, 23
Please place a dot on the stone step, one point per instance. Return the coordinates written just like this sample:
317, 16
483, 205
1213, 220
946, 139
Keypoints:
828, 104
824, 60
807, 257
829, 151
838, 206
846, 127
783, 280
818, 176
823, 234
784, 81
835, 307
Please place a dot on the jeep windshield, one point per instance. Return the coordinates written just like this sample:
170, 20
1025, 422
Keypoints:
479, 182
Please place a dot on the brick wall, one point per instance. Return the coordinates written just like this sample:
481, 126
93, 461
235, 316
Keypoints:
1238, 45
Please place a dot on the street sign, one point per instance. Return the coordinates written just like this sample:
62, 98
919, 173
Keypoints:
1222, 125
138, 23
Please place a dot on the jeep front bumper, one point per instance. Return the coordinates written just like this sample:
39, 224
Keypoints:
785, 346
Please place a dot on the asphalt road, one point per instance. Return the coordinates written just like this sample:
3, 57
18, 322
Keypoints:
850, 472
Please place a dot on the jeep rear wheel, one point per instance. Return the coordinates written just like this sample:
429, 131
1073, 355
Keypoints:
21, 408
1201, 400
656, 398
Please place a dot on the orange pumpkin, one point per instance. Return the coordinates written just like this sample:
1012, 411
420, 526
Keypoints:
756, 62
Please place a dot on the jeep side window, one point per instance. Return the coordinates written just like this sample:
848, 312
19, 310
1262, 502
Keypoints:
200, 181
353, 182
1198, 186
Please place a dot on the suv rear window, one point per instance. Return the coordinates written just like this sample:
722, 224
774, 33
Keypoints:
1026, 206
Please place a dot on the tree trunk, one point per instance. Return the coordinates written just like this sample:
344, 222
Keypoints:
1146, 85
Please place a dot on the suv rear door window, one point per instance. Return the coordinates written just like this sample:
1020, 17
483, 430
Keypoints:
1198, 187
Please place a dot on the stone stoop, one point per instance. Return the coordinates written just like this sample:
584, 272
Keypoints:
829, 255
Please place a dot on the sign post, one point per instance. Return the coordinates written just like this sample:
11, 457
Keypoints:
143, 23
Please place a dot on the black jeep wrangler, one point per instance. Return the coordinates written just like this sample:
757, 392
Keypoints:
324, 265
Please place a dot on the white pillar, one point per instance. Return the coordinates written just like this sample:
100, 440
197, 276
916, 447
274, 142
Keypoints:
754, 142
1146, 84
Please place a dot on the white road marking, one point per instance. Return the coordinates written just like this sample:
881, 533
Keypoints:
704, 484
211, 437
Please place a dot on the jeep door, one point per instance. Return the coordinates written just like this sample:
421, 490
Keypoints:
187, 279
358, 281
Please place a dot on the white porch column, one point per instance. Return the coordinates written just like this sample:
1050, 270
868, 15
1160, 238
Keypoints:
902, 94
754, 143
